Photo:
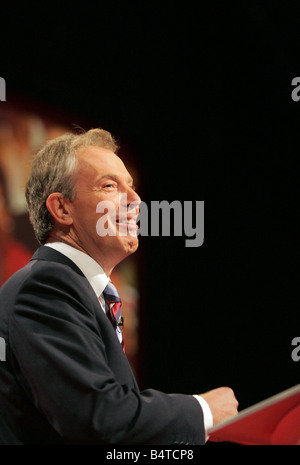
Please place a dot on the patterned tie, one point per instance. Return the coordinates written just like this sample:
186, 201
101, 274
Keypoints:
113, 309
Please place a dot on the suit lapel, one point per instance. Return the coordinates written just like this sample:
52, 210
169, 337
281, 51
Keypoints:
51, 255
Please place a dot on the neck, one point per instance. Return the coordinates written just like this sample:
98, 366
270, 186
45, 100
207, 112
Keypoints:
56, 237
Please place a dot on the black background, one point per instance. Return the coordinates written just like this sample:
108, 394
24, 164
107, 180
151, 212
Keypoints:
201, 98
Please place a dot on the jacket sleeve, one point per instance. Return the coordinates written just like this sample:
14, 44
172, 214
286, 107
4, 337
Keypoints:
61, 361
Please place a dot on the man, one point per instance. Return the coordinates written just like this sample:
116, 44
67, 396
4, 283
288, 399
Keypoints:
66, 379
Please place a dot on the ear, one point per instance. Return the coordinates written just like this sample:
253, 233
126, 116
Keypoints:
59, 207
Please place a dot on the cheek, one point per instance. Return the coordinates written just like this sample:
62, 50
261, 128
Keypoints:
106, 216
105, 225
85, 216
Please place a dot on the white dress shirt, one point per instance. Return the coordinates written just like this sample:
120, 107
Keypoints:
99, 280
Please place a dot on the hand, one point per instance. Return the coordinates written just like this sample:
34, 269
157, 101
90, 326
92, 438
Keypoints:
222, 403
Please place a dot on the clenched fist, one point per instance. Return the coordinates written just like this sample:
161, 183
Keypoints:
222, 403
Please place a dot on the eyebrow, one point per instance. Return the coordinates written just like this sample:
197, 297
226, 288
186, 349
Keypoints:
115, 177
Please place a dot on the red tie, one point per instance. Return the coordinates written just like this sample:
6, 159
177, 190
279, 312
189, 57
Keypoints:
113, 309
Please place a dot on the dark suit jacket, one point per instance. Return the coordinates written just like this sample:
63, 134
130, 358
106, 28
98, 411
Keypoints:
66, 379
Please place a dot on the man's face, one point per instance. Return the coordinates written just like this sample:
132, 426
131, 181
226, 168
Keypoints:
105, 208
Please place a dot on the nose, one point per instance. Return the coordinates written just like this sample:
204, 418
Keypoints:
130, 200
133, 197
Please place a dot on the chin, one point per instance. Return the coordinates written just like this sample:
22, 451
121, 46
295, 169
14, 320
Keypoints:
131, 245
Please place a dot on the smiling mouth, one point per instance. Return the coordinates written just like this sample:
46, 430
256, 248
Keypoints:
126, 221
129, 223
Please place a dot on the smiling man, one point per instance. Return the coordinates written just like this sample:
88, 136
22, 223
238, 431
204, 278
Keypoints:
66, 378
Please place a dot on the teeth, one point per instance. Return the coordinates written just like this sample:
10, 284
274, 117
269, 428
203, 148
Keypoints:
131, 221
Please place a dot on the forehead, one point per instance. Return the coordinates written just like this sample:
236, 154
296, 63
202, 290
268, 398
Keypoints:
93, 162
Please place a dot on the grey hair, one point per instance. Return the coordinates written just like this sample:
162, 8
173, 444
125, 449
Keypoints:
54, 170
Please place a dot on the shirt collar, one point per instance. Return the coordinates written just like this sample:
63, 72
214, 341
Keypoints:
89, 267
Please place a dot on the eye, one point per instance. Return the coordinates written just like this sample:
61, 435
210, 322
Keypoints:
109, 185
